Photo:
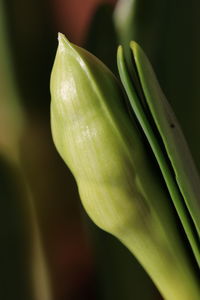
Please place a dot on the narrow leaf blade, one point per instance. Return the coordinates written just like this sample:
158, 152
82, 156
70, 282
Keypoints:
162, 159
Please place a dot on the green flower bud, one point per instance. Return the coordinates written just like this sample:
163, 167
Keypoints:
119, 184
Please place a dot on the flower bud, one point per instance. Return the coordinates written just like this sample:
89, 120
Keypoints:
119, 184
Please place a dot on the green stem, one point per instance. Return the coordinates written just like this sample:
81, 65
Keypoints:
169, 269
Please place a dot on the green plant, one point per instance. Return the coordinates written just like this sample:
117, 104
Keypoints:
142, 199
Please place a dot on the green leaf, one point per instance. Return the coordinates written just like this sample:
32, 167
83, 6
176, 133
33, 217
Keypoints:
169, 34
166, 140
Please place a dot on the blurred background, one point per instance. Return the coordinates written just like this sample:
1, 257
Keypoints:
50, 250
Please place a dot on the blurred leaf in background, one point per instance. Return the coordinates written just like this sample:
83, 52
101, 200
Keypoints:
101, 39
11, 112
32, 41
15, 228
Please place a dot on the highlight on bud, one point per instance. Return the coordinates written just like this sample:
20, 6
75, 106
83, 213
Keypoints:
120, 186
